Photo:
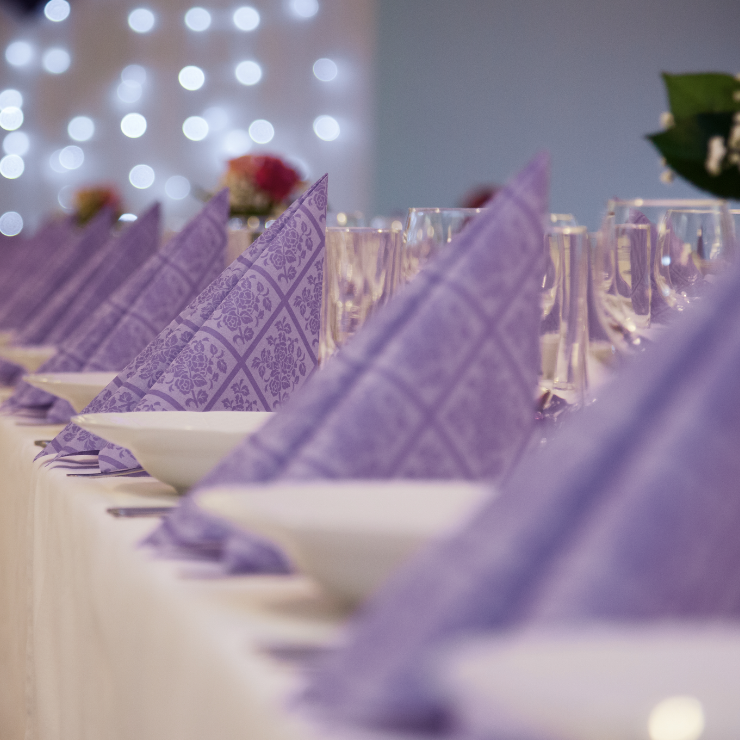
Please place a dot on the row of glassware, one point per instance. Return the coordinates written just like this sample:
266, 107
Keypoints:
604, 295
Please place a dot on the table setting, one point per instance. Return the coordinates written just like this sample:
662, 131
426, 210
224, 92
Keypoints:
471, 478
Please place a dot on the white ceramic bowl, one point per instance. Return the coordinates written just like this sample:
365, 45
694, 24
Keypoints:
655, 681
31, 357
77, 388
176, 447
349, 535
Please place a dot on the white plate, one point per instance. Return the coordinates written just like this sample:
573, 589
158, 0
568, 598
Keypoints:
30, 357
177, 447
349, 535
77, 388
662, 681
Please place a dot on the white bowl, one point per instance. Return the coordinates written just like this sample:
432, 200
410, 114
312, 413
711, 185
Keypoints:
349, 535
176, 447
31, 357
657, 680
77, 388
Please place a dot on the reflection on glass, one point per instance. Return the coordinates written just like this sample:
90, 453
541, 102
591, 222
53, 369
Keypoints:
360, 275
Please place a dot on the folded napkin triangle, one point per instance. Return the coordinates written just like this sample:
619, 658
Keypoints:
135, 313
266, 301
439, 384
53, 269
94, 281
630, 513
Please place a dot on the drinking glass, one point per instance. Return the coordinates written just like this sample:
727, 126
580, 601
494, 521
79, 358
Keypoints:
655, 258
361, 273
564, 327
427, 232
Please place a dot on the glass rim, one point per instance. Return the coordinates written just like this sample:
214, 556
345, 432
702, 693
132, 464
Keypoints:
446, 209
666, 202
364, 229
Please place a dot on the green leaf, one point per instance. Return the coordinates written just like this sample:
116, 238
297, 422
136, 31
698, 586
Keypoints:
708, 92
684, 147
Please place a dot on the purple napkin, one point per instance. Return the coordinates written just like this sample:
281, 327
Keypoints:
305, 219
631, 513
53, 269
31, 252
135, 313
439, 384
96, 279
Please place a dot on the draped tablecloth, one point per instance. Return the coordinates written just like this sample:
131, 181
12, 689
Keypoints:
100, 641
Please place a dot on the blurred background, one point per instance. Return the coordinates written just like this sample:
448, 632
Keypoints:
403, 102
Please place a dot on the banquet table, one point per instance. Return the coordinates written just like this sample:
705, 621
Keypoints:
99, 640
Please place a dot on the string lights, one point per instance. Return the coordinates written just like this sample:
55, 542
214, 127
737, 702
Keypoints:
214, 112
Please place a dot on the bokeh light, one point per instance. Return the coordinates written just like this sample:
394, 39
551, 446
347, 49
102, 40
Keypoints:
237, 142
10, 99
195, 128
56, 61
141, 176
56, 10
133, 125
191, 77
81, 128
71, 157
246, 18
217, 118
19, 53
127, 217
248, 73
11, 166
177, 187
16, 143
325, 69
261, 131
11, 118
11, 223
198, 19
129, 92
141, 20
54, 162
134, 73
304, 8
326, 128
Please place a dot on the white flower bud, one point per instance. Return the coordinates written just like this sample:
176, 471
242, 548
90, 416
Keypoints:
715, 154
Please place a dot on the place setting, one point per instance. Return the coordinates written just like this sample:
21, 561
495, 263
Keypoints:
273, 467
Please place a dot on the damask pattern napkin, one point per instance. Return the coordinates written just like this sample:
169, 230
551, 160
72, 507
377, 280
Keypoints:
278, 277
32, 252
440, 384
96, 279
136, 312
631, 513
53, 270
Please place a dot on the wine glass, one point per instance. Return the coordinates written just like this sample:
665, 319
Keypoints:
427, 232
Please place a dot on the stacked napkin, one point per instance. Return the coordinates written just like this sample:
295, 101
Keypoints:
631, 513
439, 384
94, 281
135, 313
25, 259
267, 301
53, 269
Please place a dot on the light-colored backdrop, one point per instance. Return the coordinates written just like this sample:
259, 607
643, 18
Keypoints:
468, 90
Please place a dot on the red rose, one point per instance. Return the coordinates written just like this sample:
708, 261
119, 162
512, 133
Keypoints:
274, 177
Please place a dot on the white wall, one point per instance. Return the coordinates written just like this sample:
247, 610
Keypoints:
101, 44
469, 90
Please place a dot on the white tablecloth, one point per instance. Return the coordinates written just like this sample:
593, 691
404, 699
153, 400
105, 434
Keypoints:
100, 641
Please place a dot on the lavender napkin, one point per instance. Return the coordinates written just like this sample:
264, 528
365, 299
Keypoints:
631, 513
95, 280
33, 251
53, 270
440, 384
291, 248
135, 313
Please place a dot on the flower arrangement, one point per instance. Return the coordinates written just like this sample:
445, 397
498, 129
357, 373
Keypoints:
701, 140
88, 201
260, 185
